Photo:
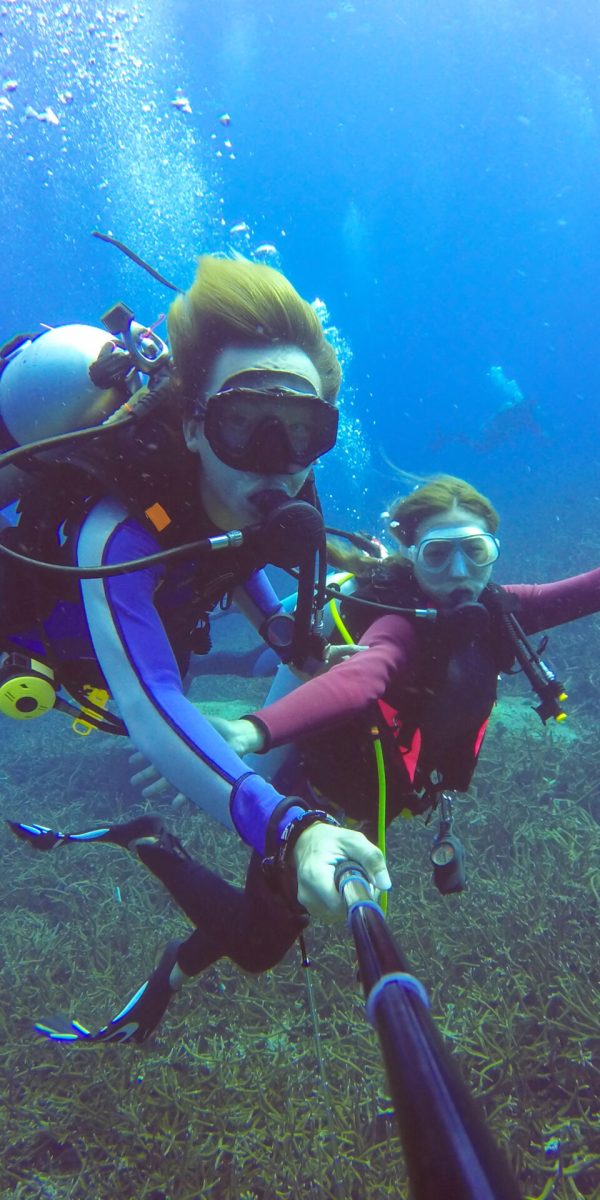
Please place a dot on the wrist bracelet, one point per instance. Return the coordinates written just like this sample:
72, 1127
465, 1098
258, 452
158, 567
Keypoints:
272, 830
277, 867
297, 826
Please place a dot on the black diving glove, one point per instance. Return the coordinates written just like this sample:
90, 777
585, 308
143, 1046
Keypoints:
137, 1019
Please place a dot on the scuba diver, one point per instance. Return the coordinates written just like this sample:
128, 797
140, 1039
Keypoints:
405, 719
511, 421
517, 416
125, 540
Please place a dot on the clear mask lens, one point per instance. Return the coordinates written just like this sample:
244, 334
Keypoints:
479, 550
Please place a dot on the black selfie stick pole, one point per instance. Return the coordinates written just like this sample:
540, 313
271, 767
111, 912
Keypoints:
449, 1150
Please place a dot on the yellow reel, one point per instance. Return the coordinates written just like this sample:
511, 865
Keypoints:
27, 688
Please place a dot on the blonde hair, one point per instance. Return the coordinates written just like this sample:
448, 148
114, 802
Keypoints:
435, 497
242, 303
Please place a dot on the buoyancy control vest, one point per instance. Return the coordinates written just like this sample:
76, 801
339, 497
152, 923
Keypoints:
430, 730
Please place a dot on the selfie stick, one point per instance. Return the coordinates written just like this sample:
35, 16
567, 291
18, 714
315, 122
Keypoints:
448, 1148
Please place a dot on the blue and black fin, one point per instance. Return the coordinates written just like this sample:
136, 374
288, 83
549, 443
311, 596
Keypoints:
147, 828
135, 1022
43, 838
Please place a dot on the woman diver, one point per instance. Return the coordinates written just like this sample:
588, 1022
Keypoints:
427, 674
251, 397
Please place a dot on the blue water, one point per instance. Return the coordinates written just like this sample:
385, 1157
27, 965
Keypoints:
431, 170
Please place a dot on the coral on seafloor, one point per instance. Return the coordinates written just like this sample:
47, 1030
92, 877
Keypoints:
226, 1100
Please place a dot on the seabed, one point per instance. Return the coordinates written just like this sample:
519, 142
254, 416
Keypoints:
225, 1101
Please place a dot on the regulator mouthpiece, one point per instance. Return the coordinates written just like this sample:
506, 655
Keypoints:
291, 532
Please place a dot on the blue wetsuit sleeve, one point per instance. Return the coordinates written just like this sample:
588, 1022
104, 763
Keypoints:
257, 599
260, 592
139, 666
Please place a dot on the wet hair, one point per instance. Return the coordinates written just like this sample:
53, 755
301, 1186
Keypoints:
343, 558
433, 498
235, 302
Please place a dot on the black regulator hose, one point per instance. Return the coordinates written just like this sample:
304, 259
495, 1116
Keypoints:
294, 533
284, 535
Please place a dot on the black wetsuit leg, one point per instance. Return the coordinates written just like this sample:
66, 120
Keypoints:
249, 925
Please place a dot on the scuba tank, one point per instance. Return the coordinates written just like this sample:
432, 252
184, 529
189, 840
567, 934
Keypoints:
46, 389
70, 379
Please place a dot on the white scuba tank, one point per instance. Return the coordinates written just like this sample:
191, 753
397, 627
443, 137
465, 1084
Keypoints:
46, 389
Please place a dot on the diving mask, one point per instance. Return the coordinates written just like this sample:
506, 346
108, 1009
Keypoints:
269, 422
435, 552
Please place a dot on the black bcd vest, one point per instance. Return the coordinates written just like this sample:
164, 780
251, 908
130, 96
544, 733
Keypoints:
432, 724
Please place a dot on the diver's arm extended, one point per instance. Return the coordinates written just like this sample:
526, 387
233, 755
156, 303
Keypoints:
344, 692
545, 605
139, 666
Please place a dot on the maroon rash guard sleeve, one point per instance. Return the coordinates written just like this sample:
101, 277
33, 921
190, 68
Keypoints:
348, 688
545, 605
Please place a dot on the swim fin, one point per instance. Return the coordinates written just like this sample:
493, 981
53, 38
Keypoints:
147, 829
135, 1022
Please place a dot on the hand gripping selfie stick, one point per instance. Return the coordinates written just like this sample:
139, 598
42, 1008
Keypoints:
448, 1148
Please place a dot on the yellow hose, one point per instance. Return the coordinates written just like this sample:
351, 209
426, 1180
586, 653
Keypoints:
376, 738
